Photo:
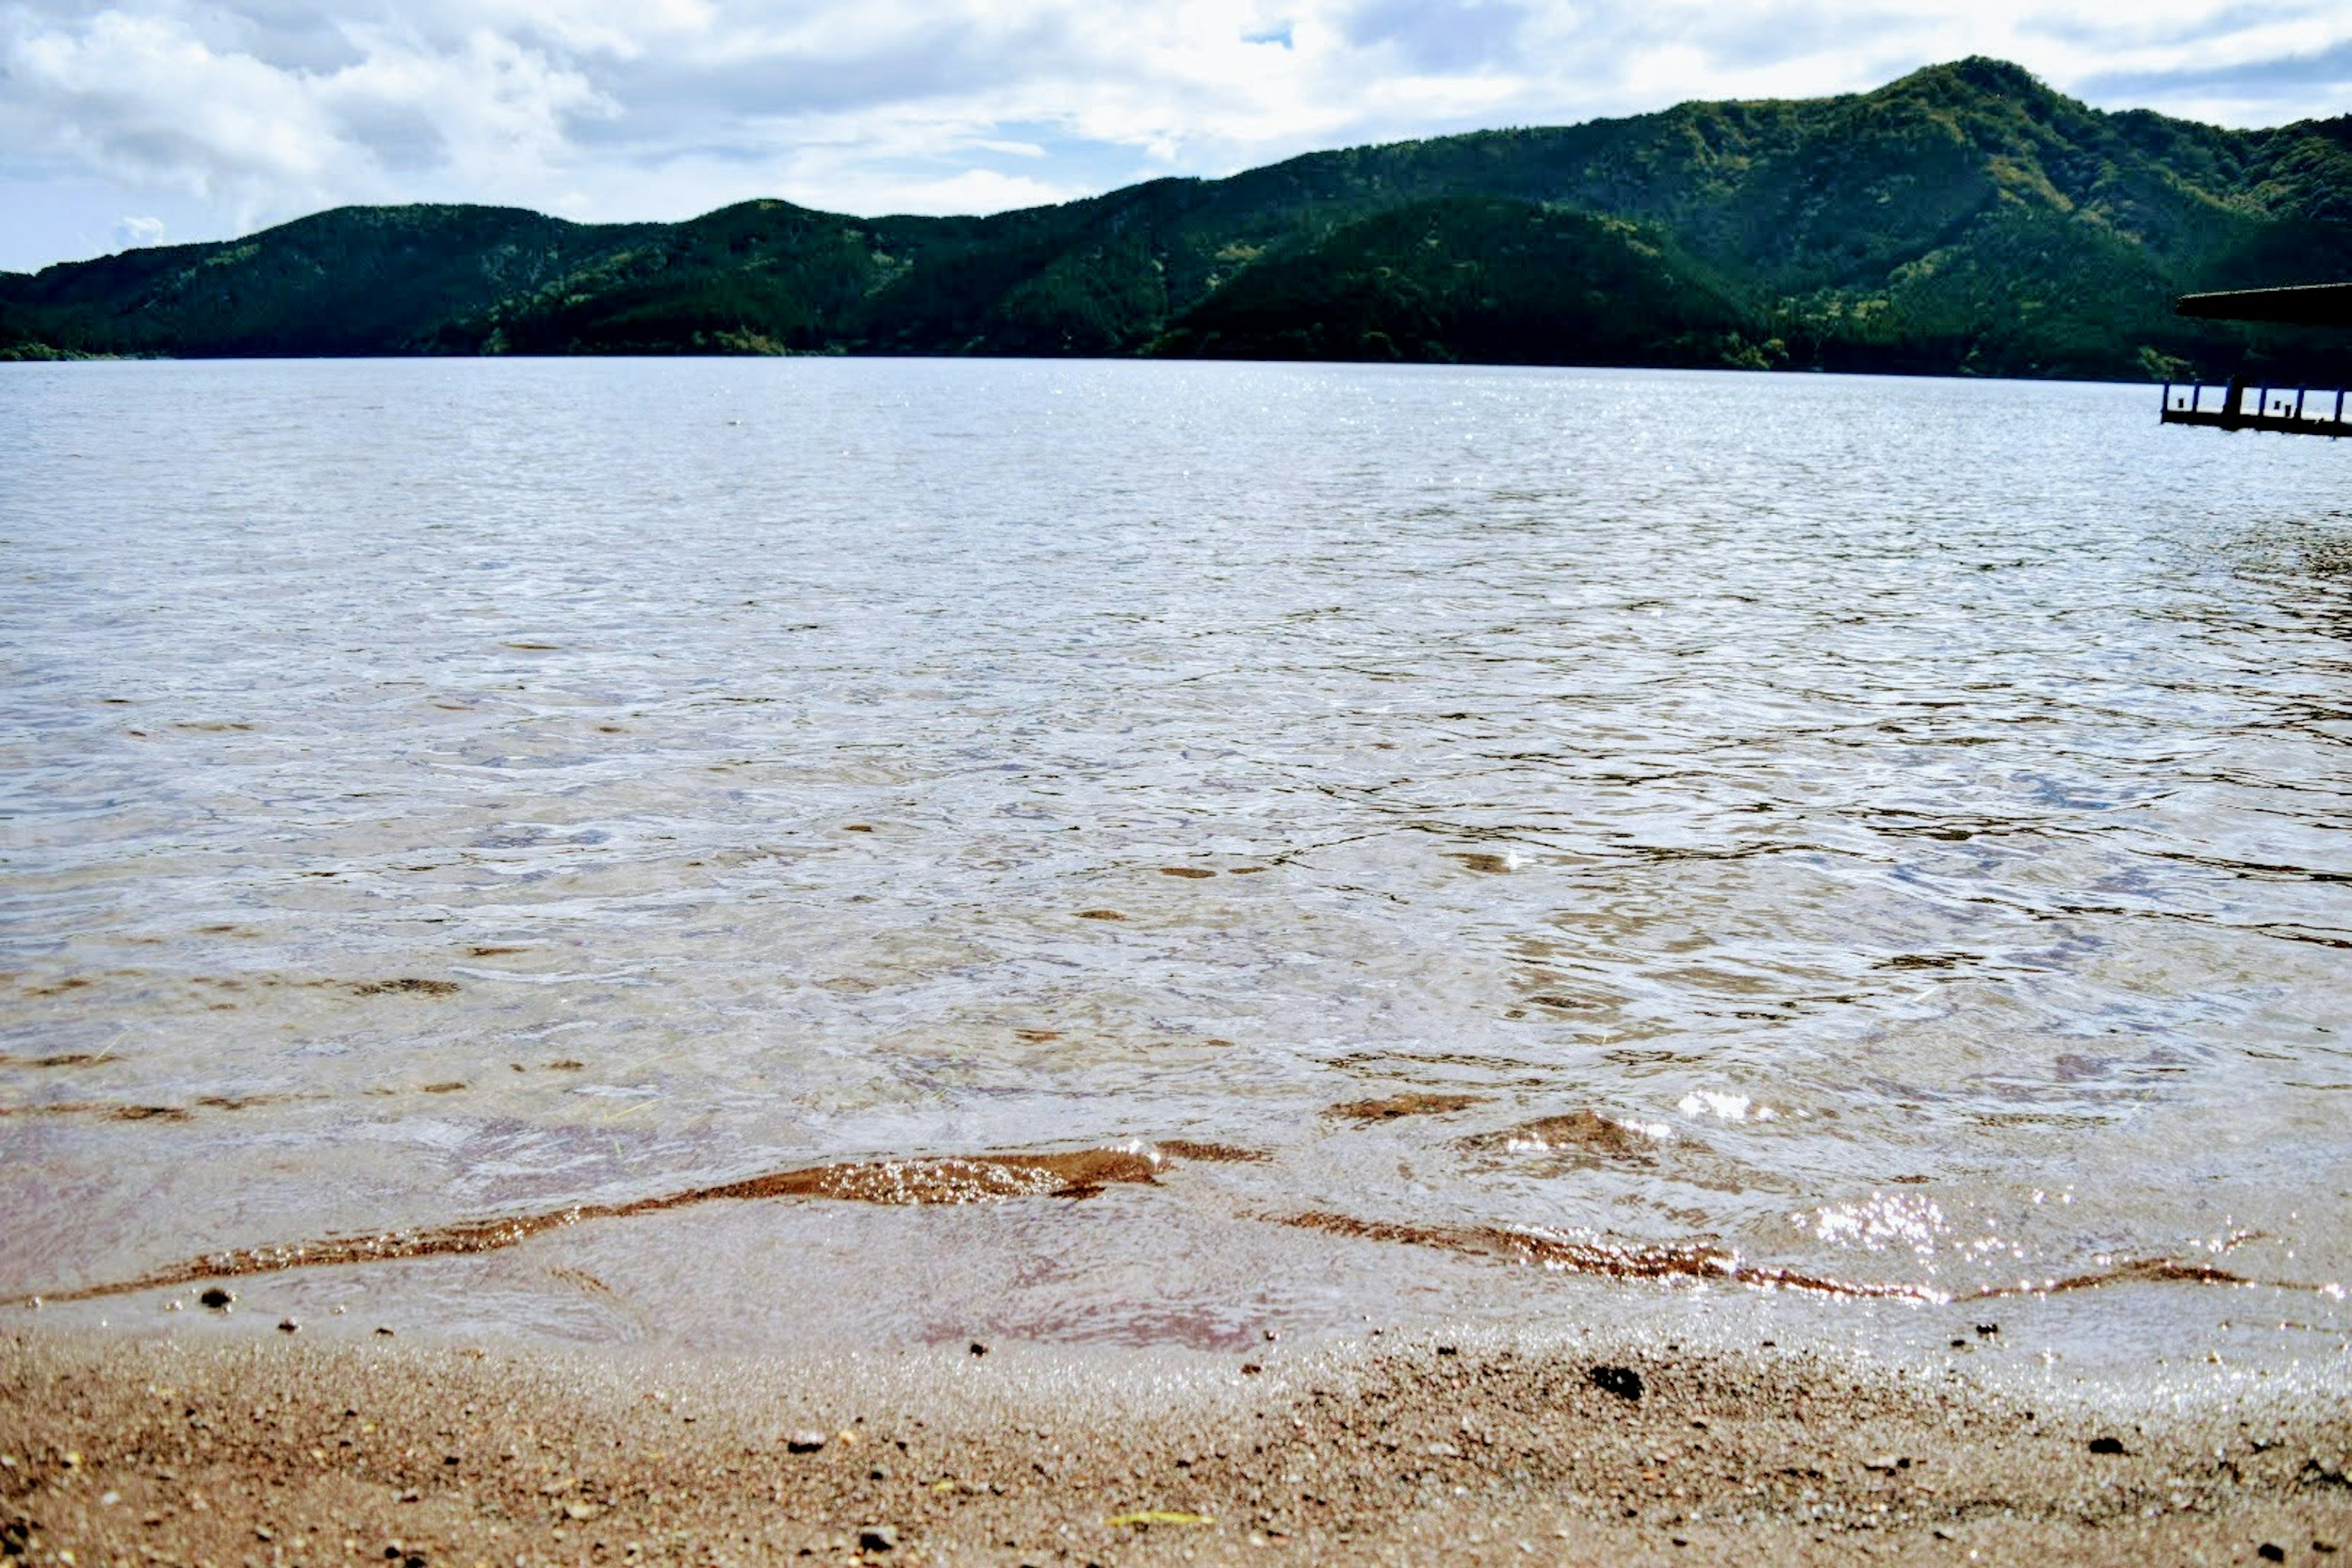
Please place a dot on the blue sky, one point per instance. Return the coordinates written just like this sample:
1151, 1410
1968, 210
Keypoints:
175, 120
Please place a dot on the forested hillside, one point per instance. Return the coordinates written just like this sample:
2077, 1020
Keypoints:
1963, 219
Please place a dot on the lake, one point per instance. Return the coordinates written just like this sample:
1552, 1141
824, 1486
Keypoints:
1496, 843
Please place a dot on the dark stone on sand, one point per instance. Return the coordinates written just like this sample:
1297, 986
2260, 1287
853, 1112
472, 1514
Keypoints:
2107, 1445
979, 1349
1621, 1381
878, 1538
804, 1442
1987, 1330
288, 1325
2271, 1551
217, 1299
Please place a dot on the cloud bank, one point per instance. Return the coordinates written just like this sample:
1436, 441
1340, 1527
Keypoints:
151, 120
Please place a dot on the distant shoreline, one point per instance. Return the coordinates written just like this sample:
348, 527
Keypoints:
9, 359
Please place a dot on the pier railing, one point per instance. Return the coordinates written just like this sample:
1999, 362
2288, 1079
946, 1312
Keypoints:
2307, 411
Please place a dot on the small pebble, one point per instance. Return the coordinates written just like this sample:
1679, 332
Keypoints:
1621, 1381
979, 1349
216, 1299
288, 1325
804, 1442
2107, 1445
878, 1538
2271, 1551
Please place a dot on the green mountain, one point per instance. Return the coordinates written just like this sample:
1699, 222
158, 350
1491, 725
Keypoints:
1963, 219
1481, 279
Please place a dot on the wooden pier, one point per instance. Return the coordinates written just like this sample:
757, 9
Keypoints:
2302, 412
2308, 411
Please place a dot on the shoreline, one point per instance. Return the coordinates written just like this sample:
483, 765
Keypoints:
1580, 1446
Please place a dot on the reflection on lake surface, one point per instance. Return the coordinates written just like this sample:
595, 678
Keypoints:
1888, 833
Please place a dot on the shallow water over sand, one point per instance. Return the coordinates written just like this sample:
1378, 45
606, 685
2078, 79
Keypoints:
1886, 835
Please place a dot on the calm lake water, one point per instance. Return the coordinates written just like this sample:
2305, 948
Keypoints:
1895, 833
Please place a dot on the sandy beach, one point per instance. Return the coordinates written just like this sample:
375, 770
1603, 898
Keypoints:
1388, 1450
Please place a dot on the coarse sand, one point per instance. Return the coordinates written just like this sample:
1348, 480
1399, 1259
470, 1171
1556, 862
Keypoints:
1408, 1448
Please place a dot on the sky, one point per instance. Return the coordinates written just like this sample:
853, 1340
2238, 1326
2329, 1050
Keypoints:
162, 120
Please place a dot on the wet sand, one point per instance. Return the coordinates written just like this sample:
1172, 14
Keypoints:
284, 1448
955, 1181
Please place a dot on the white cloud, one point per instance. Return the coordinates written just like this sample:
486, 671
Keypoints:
147, 100
259, 110
974, 190
131, 233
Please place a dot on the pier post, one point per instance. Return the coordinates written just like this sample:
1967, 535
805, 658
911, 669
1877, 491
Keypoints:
2298, 404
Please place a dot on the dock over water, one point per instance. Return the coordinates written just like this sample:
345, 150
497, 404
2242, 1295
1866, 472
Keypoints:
2302, 412
2307, 411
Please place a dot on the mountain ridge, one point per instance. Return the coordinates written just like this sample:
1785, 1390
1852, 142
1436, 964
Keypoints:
1965, 218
